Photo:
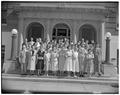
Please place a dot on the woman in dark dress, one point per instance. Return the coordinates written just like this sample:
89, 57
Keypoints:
40, 61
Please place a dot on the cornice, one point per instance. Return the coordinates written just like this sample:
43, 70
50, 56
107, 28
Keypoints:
60, 8
72, 20
73, 10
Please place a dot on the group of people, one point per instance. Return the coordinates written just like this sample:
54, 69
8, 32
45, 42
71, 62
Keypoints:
62, 56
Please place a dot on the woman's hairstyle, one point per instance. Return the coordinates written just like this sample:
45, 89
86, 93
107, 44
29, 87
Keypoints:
23, 44
68, 46
89, 50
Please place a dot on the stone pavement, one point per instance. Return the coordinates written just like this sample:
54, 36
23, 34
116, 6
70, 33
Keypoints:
52, 84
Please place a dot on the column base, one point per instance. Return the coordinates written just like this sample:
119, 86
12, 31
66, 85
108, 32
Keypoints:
110, 70
9, 67
108, 63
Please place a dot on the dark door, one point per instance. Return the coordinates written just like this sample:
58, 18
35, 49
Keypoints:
88, 33
35, 30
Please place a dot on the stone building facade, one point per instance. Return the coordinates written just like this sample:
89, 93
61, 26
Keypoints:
57, 20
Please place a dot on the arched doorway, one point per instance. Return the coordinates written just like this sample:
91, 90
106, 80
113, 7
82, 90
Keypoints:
35, 30
87, 32
61, 31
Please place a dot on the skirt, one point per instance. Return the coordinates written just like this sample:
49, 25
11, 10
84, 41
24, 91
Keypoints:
54, 65
40, 64
68, 64
31, 66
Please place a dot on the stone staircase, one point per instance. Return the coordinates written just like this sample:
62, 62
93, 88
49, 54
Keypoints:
34, 84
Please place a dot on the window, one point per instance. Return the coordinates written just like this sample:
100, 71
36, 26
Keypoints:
61, 31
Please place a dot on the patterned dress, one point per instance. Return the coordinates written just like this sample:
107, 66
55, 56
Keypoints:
40, 60
61, 59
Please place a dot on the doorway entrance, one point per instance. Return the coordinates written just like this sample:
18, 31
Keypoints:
61, 31
35, 30
87, 32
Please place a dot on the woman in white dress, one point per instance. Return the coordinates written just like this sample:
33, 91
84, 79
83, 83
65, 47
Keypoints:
32, 60
47, 60
75, 61
68, 61
54, 60
61, 60
50, 64
90, 64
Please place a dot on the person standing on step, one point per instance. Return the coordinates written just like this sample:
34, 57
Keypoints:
32, 64
47, 60
85, 52
54, 60
75, 61
90, 64
28, 58
40, 61
81, 58
61, 60
22, 59
68, 61
97, 60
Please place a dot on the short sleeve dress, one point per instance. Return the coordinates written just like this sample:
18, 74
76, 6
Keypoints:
32, 60
47, 60
68, 61
75, 62
54, 61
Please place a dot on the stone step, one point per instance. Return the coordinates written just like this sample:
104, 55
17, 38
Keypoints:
58, 77
110, 70
52, 84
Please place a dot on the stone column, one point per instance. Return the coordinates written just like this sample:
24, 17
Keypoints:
20, 34
13, 48
103, 39
107, 57
75, 32
48, 30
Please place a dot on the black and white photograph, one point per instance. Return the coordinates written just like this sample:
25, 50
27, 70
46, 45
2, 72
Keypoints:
60, 47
